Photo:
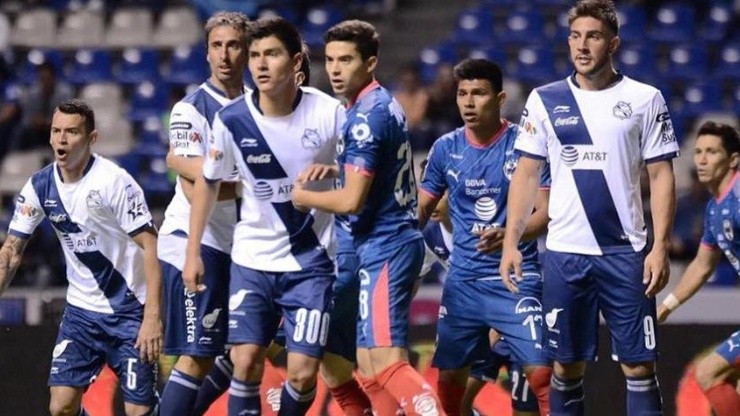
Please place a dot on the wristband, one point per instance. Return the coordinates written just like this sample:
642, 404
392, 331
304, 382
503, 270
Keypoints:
671, 302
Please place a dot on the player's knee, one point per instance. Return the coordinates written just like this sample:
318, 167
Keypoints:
336, 370
63, 408
569, 371
302, 378
638, 369
248, 362
140, 410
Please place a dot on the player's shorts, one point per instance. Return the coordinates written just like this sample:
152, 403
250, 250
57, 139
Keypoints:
87, 340
469, 308
577, 287
260, 299
729, 349
343, 329
523, 398
196, 323
387, 276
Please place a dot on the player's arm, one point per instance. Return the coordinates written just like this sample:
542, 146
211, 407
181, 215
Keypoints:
10, 259
696, 274
426, 205
204, 198
317, 172
520, 204
348, 200
149, 340
663, 208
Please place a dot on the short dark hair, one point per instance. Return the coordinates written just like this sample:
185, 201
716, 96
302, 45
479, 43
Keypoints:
361, 33
306, 65
729, 135
601, 10
281, 29
480, 69
75, 106
235, 20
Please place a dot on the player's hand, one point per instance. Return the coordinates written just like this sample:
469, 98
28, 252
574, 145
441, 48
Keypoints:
663, 313
192, 274
149, 339
316, 172
656, 271
294, 195
511, 260
490, 240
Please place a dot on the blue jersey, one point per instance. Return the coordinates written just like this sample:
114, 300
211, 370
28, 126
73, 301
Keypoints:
477, 179
376, 143
722, 221
437, 241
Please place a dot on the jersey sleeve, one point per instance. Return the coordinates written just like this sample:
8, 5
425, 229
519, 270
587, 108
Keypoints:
188, 131
433, 179
221, 159
532, 138
363, 144
707, 238
658, 137
128, 203
28, 213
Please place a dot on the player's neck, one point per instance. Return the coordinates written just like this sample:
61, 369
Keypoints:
74, 173
482, 134
278, 103
351, 100
719, 189
232, 89
597, 81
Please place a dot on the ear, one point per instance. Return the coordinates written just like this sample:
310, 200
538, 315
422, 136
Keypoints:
501, 97
297, 61
93, 137
614, 44
372, 63
734, 160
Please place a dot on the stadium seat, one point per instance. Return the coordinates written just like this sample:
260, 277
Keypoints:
687, 62
35, 28
431, 57
716, 24
138, 65
492, 54
105, 98
130, 27
637, 60
286, 11
632, 23
523, 26
187, 65
147, 100
318, 21
17, 167
115, 136
178, 26
561, 29
474, 27
534, 65
736, 100
83, 29
701, 97
152, 132
36, 57
727, 66
673, 23
90, 66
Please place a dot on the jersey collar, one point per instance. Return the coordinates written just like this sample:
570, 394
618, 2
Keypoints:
369, 87
84, 171
493, 139
728, 188
256, 100
618, 78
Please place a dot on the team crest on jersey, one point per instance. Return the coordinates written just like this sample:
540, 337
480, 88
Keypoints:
727, 229
509, 168
622, 110
215, 154
361, 132
311, 139
25, 210
94, 199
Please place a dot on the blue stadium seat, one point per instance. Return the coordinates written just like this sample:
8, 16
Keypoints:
632, 23
673, 23
318, 21
727, 66
286, 11
535, 65
716, 24
148, 100
138, 65
151, 134
523, 26
687, 62
187, 65
89, 66
701, 97
474, 27
637, 60
562, 28
493, 54
36, 57
736, 100
431, 57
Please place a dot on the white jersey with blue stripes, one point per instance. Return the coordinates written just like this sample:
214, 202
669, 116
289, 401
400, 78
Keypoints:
269, 153
93, 218
597, 143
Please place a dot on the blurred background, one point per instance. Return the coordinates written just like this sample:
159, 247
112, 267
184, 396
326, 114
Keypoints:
133, 59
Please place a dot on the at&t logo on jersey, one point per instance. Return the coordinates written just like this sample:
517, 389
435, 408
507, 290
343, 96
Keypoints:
570, 156
485, 208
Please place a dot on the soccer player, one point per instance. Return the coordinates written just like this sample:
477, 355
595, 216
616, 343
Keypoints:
378, 198
281, 257
474, 165
196, 322
110, 246
716, 158
597, 128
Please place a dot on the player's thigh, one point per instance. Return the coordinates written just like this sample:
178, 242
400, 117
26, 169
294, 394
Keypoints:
343, 324
386, 282
77, 356
629, 314
570, 308
137, 377
253, 317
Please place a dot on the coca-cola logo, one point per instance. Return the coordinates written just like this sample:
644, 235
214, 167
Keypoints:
567, 121
259, 159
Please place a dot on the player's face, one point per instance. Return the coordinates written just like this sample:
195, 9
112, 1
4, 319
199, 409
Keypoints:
227, 56
347, 71
479, 104
271, 66
711, 160
591, 46
70, 140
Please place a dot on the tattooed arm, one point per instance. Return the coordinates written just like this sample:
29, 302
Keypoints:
10, 259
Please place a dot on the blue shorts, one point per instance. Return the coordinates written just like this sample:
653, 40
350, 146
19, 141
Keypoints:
87, 340
196, 324
343, 329
729, 349
577, 287
387, 279
260, 299
523, 398
470, 308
